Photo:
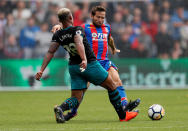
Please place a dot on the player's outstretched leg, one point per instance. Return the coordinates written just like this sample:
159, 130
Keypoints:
115, 100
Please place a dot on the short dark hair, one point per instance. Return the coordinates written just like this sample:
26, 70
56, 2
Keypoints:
63, 14
97, 8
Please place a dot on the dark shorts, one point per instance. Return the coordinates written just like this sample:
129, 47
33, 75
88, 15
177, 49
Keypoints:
106, 64
94, 73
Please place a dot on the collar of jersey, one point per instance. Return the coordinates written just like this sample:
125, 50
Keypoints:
67, 28
96, 26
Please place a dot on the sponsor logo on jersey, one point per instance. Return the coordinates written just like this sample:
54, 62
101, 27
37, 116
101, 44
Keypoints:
99, 36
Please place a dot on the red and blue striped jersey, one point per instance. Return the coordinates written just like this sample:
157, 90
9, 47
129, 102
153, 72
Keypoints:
98, 39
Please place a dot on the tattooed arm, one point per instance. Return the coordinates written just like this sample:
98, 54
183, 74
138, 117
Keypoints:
49, 55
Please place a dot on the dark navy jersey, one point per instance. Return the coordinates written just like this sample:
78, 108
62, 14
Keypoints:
65, 37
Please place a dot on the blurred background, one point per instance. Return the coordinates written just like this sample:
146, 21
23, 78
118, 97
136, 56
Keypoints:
151, 34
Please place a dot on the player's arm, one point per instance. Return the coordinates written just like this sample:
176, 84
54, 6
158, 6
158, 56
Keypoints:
49, 55
78, 39
112, 45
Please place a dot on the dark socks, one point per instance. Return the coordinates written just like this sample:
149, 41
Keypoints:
115, 100
69, 103
74, 110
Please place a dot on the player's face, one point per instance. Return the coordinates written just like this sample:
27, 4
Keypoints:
98, 18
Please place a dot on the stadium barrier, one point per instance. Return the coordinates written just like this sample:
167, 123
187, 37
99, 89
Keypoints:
134, 73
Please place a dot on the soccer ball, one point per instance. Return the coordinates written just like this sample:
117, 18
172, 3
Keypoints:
156, 112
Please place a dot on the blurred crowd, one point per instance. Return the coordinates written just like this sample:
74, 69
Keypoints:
141, 29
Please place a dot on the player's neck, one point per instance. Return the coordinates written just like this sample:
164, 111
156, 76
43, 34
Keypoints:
66, 25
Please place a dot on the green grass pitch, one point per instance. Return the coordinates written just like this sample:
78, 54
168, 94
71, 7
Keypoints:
33, 111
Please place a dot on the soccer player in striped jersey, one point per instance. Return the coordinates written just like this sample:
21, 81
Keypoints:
99, 37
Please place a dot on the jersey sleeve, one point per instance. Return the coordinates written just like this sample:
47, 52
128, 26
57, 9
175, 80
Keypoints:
78, 31
55, 38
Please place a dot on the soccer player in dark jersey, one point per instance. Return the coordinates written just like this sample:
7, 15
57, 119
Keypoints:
83, 68
99, 37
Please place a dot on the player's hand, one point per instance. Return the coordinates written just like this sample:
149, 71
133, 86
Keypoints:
83, 65
56, 28
115, 51
38, 75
